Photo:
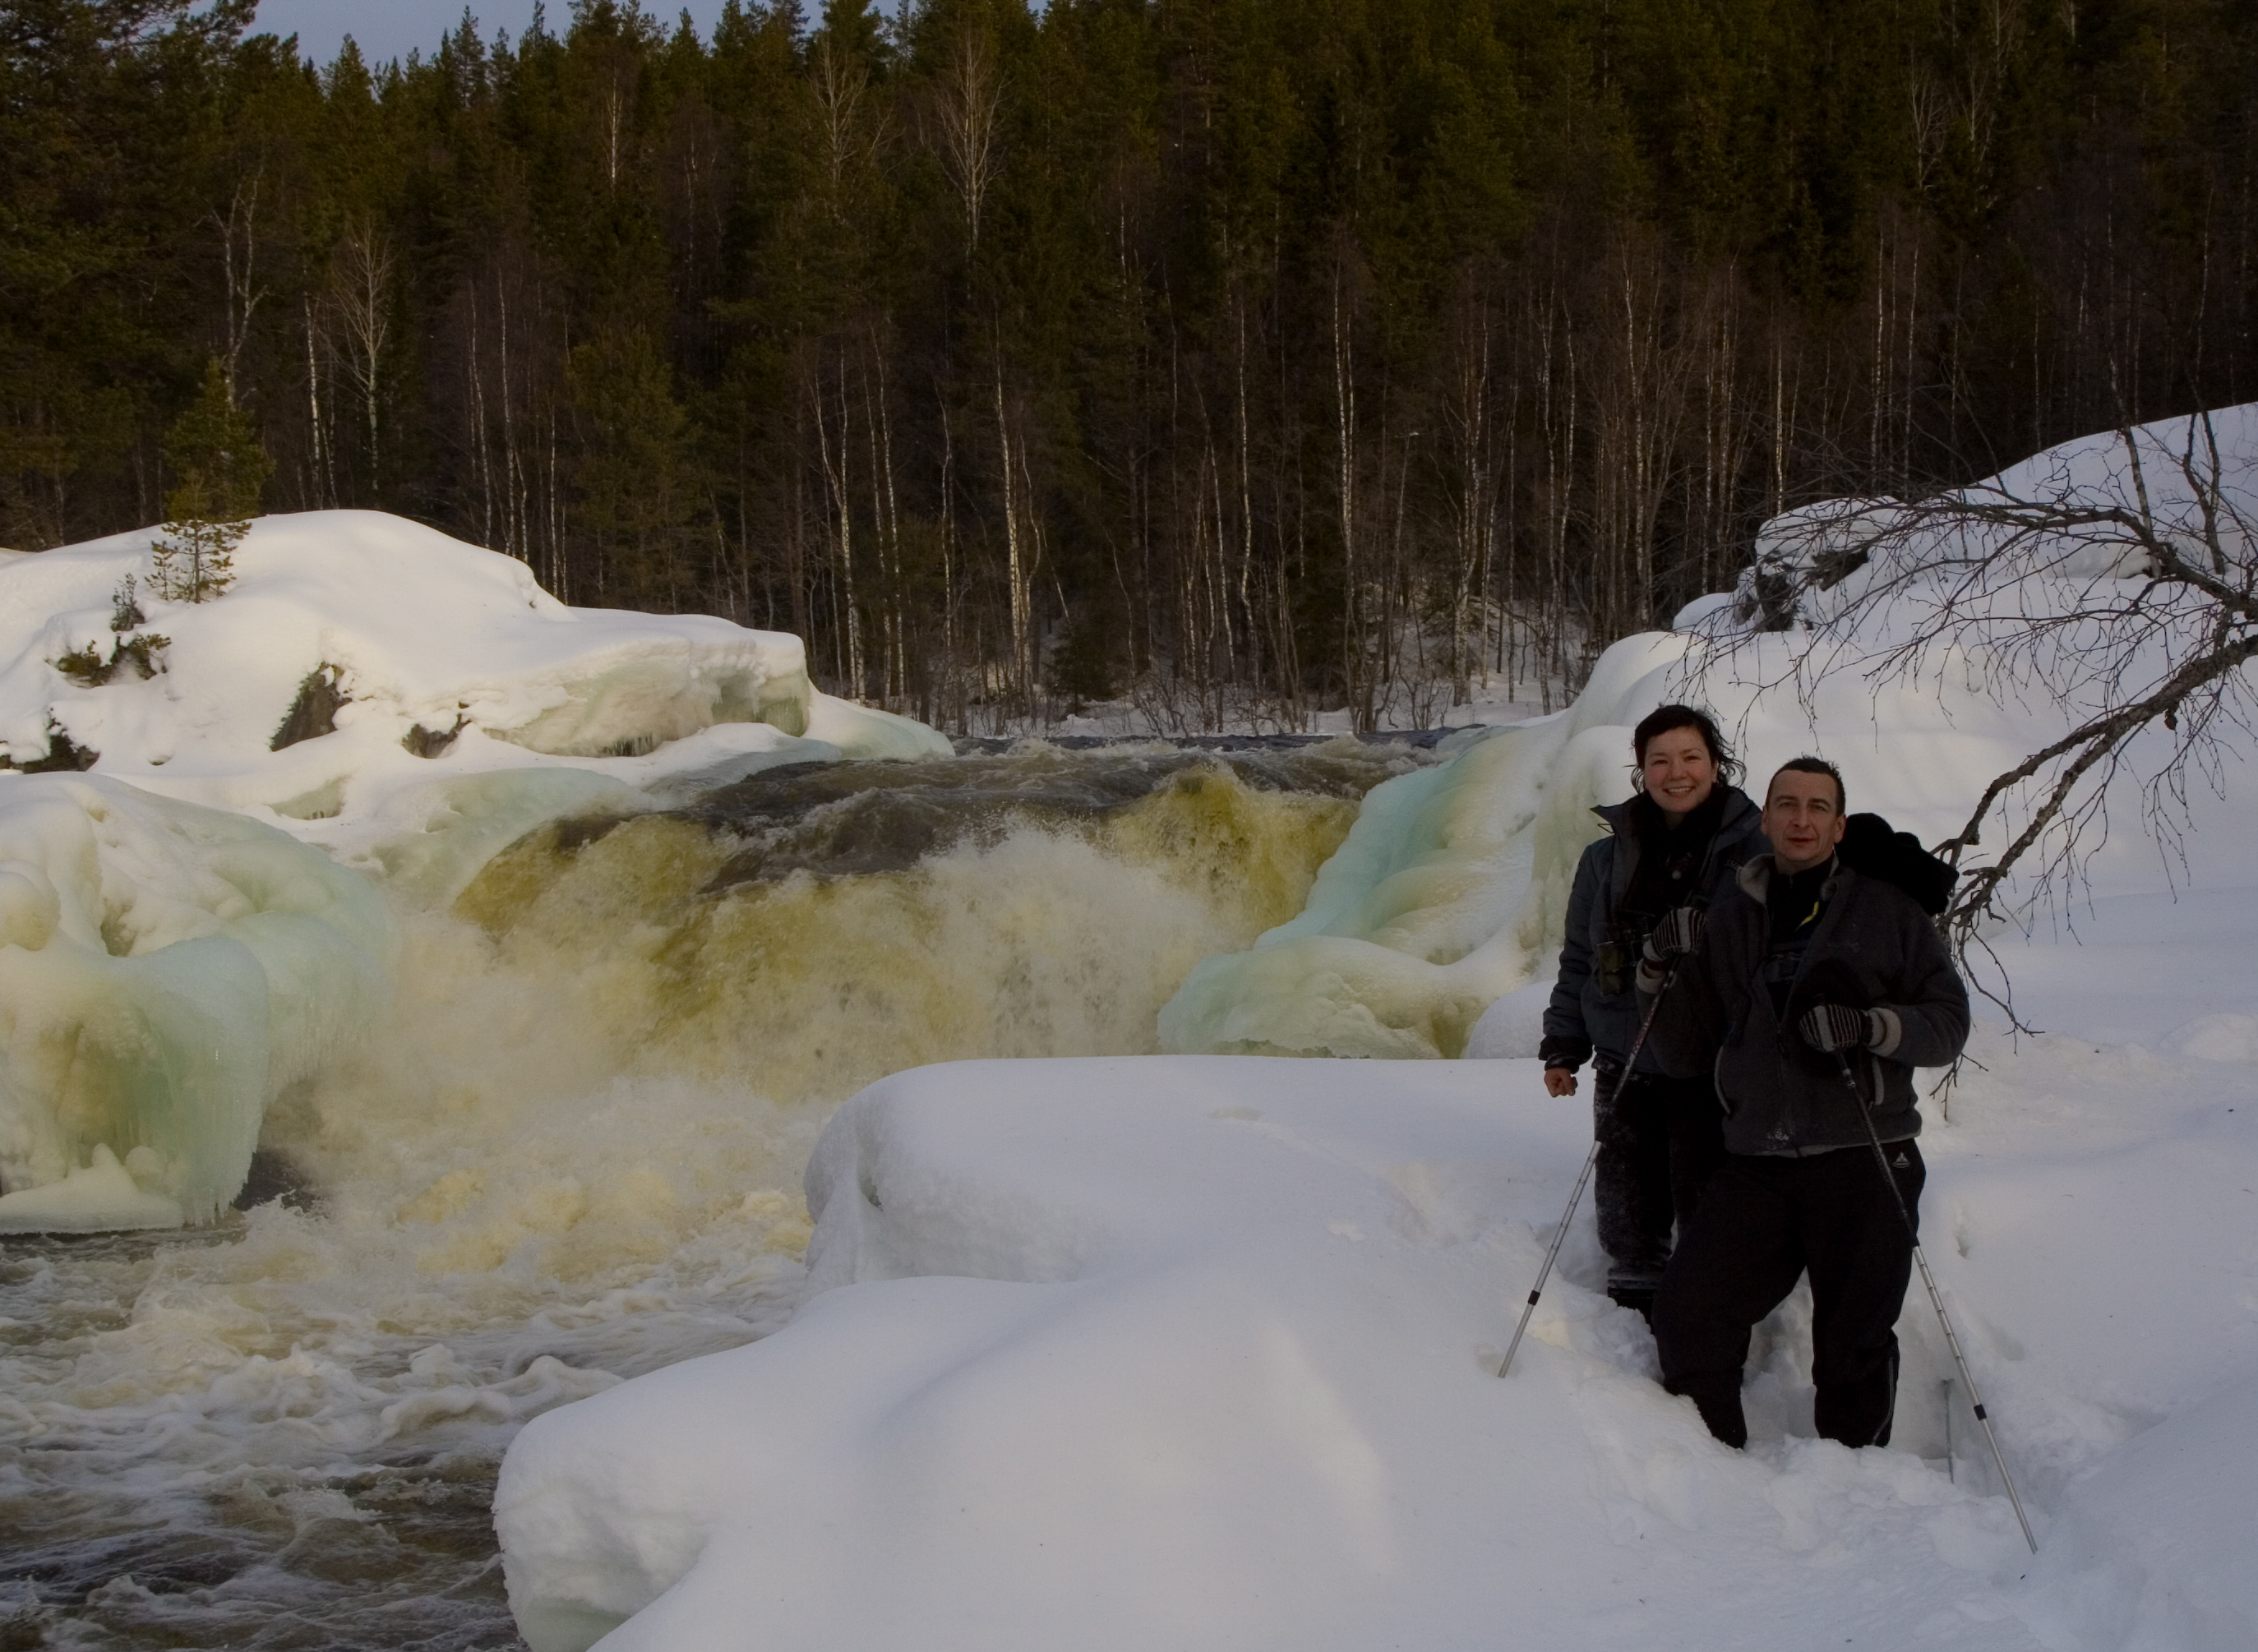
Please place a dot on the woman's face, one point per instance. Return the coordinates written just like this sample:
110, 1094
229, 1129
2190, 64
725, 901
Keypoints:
1679, 772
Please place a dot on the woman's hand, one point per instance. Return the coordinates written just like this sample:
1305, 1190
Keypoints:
1560, 1080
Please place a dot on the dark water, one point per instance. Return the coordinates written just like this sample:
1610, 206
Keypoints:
841, 819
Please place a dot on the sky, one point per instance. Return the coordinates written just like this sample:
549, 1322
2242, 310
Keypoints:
389, 29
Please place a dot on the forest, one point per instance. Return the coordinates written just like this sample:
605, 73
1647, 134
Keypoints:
1238, 359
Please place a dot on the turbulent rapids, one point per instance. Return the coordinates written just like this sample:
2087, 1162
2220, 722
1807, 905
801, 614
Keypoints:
574, 1155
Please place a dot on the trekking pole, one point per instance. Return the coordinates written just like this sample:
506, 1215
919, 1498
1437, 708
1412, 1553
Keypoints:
1576, 1197
1936, 1299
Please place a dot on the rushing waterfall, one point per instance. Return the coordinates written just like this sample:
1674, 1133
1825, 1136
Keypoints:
572, 1154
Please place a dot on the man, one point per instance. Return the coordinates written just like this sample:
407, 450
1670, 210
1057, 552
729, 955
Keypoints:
1812, 991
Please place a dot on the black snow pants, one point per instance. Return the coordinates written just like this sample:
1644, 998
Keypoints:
1762, 1222
1660, 1141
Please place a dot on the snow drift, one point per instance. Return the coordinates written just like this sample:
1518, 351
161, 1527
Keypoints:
419, 631
360, 664
1197, 1352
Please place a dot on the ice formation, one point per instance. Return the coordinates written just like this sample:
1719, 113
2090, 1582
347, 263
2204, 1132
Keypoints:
167, 971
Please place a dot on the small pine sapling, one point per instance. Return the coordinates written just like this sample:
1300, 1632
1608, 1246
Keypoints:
215, 453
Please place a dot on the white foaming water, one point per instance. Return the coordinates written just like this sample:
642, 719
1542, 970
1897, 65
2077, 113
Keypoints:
570, 1152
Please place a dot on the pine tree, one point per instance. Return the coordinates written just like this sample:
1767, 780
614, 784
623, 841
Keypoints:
215, 453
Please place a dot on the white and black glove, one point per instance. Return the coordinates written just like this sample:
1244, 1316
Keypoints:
1837, 1026
1678, 933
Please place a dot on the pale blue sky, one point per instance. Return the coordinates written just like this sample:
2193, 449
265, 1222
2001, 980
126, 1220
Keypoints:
389, 29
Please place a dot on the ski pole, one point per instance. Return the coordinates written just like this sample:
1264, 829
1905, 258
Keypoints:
1936, 1298
1576, 1197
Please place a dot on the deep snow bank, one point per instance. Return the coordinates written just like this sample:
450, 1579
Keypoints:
1196, 1352
422, 631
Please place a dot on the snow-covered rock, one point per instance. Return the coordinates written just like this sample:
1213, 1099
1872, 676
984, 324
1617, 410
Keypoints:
1198, 1352
449, 660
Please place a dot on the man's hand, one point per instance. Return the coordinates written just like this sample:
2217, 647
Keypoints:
1678, 933
1836, 1026
1560, 1080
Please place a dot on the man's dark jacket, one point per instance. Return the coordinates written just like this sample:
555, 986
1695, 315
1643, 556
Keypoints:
1873, 948
1583, 1015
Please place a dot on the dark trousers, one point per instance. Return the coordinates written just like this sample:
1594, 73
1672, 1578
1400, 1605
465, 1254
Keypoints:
1762, 1222
1660, 1141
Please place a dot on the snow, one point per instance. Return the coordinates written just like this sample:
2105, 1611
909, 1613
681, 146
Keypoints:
422, 633
1196, 1351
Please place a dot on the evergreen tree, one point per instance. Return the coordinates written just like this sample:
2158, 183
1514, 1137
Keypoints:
220, 468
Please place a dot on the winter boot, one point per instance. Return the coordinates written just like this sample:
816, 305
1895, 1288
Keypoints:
1637, 1298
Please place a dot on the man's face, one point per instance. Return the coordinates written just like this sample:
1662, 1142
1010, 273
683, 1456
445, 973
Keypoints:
1803, 817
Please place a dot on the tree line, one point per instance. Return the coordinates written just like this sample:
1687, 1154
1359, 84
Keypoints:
1240, 358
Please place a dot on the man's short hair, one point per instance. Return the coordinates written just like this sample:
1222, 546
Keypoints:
1808, 765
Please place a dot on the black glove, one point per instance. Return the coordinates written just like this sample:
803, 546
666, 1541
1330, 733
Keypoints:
1678, 933
1837, 1027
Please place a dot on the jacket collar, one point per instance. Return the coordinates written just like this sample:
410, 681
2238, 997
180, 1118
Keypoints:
1755, 876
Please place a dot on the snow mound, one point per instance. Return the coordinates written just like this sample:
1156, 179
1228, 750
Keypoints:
1198, 1352
358, 656
1812, 566
166, 970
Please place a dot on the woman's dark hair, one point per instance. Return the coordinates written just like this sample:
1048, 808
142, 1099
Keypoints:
1663, 719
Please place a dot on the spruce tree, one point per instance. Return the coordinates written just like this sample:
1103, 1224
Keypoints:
215, 454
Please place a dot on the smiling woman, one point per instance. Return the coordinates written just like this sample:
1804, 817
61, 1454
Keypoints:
1669, 848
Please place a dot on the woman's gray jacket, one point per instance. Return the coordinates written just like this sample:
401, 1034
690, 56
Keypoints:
1594, 1005
1873, 948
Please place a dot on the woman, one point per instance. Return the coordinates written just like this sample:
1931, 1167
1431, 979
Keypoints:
1684, 830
